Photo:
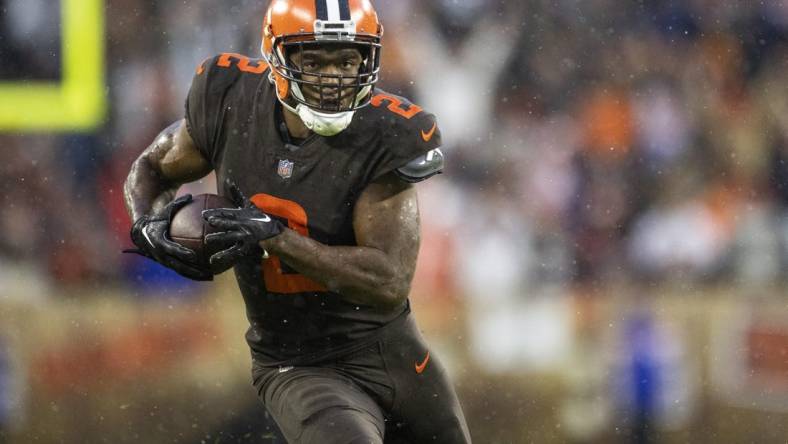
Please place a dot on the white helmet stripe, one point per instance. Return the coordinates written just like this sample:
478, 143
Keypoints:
333, 10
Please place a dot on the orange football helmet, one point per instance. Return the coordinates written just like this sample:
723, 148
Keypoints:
292, 25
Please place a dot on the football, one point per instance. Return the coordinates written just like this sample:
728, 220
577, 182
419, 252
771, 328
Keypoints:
188, 228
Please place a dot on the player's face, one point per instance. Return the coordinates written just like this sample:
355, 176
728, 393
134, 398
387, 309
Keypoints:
334, 62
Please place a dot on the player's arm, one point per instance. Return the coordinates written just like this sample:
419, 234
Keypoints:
377, 272
169, 162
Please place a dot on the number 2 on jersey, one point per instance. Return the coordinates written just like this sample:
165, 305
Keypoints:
395, 105
276, 279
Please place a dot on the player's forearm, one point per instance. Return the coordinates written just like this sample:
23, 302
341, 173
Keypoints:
145, 189
362, 275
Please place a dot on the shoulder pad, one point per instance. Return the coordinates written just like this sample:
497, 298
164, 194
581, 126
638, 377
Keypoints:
409, 139
422, 167
223, 70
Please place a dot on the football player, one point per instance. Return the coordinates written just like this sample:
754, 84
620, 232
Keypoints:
325, 239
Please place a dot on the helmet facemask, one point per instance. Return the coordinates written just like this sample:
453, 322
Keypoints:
329, 92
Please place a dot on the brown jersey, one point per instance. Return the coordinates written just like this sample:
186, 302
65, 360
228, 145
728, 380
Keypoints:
232, 115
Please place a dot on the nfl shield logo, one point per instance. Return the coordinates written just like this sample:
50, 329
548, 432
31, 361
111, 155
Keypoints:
285, 169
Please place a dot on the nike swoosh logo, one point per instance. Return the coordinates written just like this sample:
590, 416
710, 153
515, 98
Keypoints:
420, 367
428, 135
147, 236
261, 219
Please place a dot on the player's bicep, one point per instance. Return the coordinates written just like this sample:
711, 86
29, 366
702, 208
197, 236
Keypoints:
176, 158
386, 217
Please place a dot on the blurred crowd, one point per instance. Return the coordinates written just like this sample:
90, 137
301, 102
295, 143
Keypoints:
587, 141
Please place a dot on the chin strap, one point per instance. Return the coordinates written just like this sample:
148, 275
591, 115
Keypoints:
325, 124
